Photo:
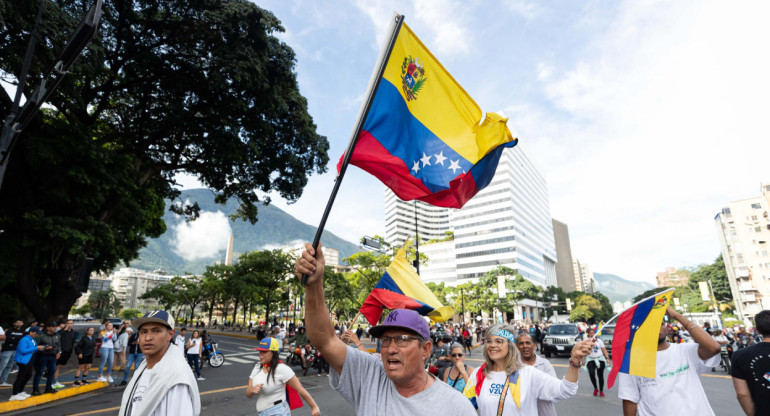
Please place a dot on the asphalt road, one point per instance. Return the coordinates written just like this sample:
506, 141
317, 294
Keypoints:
223, 391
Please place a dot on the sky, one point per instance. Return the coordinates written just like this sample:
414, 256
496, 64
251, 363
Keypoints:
645, 117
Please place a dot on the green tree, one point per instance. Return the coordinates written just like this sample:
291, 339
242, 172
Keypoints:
266, 274
130, 313
339, 292
104, 303
166, 86
717, 273
587, 308
164, 294
214, 286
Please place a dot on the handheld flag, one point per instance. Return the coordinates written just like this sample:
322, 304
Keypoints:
422, 137
635, 341
401, 288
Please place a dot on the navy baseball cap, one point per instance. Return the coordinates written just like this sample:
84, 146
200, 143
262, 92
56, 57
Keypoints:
403, 319
34, 329
158, 316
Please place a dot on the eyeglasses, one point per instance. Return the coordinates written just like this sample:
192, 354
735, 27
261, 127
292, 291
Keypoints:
496, 341
457, 355
401, 340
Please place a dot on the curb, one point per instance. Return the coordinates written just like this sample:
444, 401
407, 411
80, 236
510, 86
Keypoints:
46, 398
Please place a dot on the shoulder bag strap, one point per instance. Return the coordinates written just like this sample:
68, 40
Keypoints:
501, 403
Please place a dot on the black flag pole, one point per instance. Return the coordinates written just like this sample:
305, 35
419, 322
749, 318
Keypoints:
374, 83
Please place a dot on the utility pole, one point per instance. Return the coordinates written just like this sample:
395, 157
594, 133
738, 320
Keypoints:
416, 241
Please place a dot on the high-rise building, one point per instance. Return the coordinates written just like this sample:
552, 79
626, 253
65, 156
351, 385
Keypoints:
565, 275
584, 277
673, 277
743, 229
431, 222
508, 223
130, 284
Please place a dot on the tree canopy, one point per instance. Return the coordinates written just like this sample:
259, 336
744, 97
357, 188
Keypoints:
166, 86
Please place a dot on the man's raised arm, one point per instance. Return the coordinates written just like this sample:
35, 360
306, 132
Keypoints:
320, 330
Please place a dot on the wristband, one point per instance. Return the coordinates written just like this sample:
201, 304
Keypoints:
692, 324
578, 366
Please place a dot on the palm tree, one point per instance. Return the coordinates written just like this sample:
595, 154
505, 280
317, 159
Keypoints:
104, 303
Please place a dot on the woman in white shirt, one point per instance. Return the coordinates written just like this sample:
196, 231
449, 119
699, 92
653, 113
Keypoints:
107, 351
269, 380
193, 346
504, 382
596, 362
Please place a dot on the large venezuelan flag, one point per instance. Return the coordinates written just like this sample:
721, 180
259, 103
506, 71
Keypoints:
635, 342
401, 288
422, 136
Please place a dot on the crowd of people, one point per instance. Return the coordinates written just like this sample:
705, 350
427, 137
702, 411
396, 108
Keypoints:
415, 369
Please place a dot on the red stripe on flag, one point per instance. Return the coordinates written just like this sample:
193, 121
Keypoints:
381, 298
619, 341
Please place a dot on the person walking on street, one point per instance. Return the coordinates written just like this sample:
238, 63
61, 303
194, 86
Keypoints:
67, 339
467, 342
503, 385
457, 375
269, 380
12, 338
596, 362
85, 349
180, 341
25, 354
527, 346
194, 353
133, 353
163, 385
107, 352
46, 358
120, 346
751, 371
676, 390
396, 381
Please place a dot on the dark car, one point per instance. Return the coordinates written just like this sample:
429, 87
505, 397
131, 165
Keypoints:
560, 338
606, 337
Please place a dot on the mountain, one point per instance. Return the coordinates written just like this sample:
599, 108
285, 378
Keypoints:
274, 228
619, 289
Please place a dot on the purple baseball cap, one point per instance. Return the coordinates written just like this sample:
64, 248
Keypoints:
403, 319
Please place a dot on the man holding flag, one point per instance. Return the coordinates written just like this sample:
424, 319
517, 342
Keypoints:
397, 381
676, 388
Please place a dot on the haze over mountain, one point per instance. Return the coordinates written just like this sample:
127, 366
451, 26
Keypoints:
191, 246
617, 288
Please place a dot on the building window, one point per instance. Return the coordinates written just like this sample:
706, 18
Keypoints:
756, 206
758, 229
753, 217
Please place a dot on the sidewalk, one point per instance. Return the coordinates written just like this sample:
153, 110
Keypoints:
50, 397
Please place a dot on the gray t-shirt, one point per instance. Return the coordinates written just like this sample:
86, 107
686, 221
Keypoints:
364, 385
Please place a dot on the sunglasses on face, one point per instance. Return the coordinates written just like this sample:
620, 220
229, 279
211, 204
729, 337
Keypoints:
457, 355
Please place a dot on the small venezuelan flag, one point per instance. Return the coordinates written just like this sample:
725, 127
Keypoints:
635, 341
422, 136
401, 288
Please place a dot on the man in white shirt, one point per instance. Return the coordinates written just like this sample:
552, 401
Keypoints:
676, 389
179, 341
163, 385
527, 349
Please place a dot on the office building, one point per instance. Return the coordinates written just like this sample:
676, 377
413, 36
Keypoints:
743, 230
565, 275
130, 284
584, 277
431, 222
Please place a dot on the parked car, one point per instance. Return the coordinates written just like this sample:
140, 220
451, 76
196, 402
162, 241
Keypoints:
560, 338
606, 336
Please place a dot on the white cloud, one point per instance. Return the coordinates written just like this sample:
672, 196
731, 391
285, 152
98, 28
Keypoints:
527, 9
205, 237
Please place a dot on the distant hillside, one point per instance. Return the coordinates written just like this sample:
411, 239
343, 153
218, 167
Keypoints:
619, 289
273, 229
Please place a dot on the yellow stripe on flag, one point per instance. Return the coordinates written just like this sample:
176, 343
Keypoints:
644, 349
411, 285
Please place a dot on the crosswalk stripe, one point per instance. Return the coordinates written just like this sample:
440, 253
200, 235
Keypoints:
239, 360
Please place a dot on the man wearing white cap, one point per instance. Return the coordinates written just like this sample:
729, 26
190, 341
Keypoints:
163, 383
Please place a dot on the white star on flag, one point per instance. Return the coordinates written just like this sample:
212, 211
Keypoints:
425, 160
440, 158
454, 165
416, 167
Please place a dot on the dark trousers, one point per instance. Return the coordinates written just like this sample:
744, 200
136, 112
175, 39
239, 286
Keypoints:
193, 359
599, 370
47, 362
22, 377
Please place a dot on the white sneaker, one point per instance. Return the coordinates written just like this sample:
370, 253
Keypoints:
201, 378
58, 385
5, 385
14, 371
14, 398
100, 378
110, 380
25, 395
